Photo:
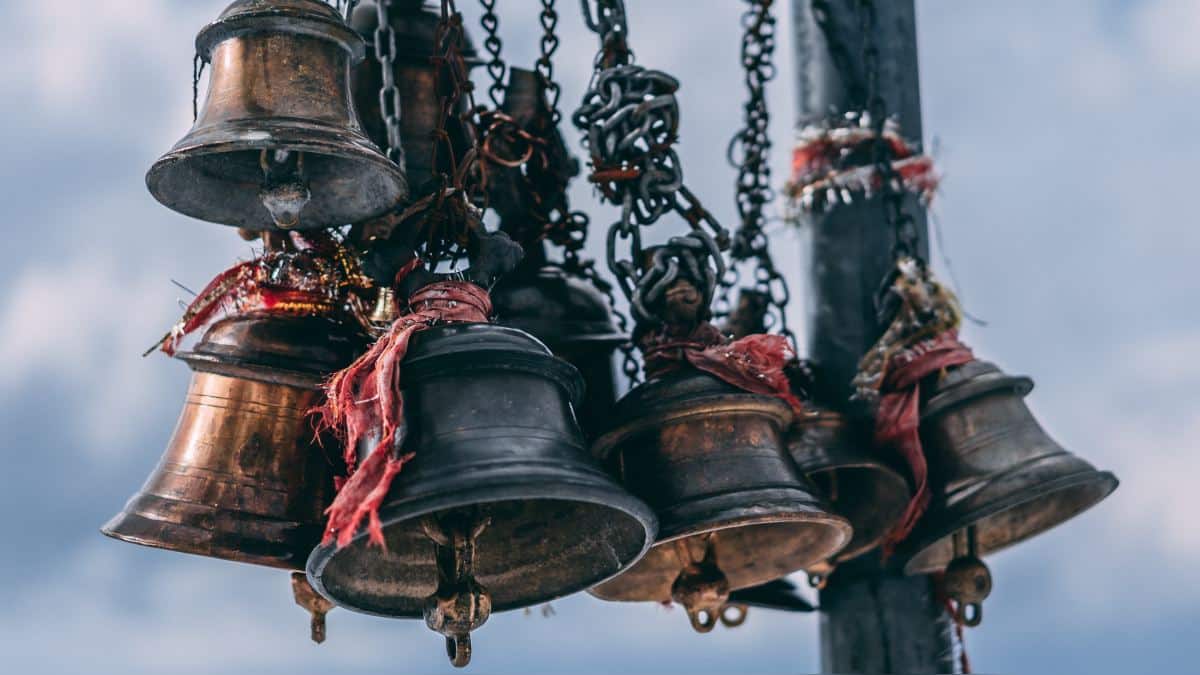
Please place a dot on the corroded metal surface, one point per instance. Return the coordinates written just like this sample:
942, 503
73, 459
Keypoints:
279, 91
710, 459
491, 426
241, 478
993, 467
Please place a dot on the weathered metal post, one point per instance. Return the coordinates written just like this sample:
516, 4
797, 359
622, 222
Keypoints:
872, 620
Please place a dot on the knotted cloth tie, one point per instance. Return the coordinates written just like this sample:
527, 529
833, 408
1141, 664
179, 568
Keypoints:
898, 420
365, 398
754, 363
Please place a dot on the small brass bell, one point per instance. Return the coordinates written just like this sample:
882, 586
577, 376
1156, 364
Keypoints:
278, 143
993, 469
859, 485
241, 478
501, 506
733, 510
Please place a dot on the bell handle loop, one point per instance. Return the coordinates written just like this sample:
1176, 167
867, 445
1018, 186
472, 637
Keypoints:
703, 620
458, 648
971, 618
818, 581
734, 614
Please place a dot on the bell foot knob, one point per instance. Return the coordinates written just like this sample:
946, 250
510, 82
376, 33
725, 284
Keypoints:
458, 648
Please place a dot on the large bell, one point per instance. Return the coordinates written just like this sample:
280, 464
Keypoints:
733, 511
574, 321
501, 507
278, 143
415, 73
860, 486
993, 469
241, 478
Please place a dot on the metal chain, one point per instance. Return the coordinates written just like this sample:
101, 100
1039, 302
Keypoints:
496, 67
389, 93
545, 63
891, 188
749, 152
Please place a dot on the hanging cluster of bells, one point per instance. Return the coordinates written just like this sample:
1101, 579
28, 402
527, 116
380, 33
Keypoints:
687, 490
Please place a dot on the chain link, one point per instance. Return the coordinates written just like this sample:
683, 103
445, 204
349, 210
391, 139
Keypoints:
496, 67
389, 93
545, 63
749, 152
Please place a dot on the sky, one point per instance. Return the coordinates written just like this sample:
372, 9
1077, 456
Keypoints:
1066, 134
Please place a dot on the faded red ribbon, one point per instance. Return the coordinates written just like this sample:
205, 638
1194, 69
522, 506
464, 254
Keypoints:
365, 399
754, 363
898, 420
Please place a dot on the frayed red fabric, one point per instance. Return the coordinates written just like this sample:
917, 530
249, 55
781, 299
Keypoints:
365, 399
898, 420
754, 363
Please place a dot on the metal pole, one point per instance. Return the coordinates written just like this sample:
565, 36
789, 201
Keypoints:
873, 620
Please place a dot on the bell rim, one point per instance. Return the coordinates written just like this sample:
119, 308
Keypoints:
655, 416
957, 395
330, 142
288, 558
962, 520
281, 20
888, 473
611, 496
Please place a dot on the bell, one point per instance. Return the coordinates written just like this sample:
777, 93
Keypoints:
859, 486
733, 511
241, 479
415, 74
500, 507
993, 469
574, 321
278, 143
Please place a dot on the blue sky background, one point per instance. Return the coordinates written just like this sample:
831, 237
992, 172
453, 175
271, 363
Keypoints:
1066, 132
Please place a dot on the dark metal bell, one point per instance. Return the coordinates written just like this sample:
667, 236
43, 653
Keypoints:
278, 143
993, 469
733, 510
415, 74
859, 485
573, 319
241, 479
489, 417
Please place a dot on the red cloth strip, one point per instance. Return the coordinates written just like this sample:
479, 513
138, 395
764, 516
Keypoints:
365, 399
898, 420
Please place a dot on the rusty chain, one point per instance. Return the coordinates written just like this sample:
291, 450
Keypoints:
389, 93
749, 152
545, 64
496, 67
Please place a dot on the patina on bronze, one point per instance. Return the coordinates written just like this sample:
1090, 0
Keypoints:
993, 468
489, 419
733, 510
278, 142
414, 27
241, 478
860, 486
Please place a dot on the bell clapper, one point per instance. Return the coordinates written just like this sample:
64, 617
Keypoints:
284, 191
460, 604
308, 598
701, 586
967, 580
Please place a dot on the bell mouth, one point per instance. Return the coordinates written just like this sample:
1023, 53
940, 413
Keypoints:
871, 496
748, 552
1001, 521
349, 179
544, 542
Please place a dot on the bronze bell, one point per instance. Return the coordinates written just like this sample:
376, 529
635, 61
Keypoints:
278, 142
501, 506
733, 510
415, 74
859, 485
241, 478
994, 471
574, 321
